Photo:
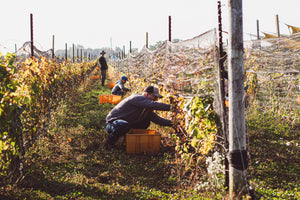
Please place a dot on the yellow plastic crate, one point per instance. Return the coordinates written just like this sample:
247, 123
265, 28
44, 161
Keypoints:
139, 141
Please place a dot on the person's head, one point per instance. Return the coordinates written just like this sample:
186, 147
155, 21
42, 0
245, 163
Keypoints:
152, 93
102, 53
124, 79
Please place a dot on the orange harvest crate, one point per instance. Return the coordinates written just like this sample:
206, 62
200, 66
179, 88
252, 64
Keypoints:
141, 141
95, 77
110, 85
227, 103
109, 98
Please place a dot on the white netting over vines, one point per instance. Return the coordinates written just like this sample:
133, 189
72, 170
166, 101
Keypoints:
25, 51
273, 75
180, 67
291, 42
273, 71
188, 68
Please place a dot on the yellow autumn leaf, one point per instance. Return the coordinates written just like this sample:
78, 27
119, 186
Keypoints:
194, 142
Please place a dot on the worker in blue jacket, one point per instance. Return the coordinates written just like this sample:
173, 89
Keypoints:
119, 88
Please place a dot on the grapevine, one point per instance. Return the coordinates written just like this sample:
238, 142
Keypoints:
194, 127
29, 92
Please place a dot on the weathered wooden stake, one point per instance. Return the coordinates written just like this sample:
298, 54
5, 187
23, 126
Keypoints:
257, 27
124, 51
31, 33
66, 52
146, 39
53, 55
130, 50
77, 54
73, 53
237, 137
277, 26
170, 30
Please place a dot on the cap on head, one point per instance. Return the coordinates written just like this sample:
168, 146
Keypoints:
102, 52
153, 90
124, 78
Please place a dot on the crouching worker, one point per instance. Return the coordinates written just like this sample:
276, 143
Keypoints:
119, 88
136, 111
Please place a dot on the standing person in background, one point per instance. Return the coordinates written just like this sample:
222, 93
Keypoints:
103, 67
119, 88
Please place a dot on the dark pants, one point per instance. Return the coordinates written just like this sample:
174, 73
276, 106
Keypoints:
119, 92
119, 128
103, 76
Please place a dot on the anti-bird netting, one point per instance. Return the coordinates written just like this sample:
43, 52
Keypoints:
180, 67
25, 51
188, 68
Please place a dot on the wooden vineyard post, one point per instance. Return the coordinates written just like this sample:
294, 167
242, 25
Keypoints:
31, 35
278, 29
124, 54
146, 39
277, 26
73, 53
53, 55
257, 29
130, 50
77, 55
66, 52
237, 137
170, 38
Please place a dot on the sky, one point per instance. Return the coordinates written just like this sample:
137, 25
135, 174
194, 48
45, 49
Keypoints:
114, 23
